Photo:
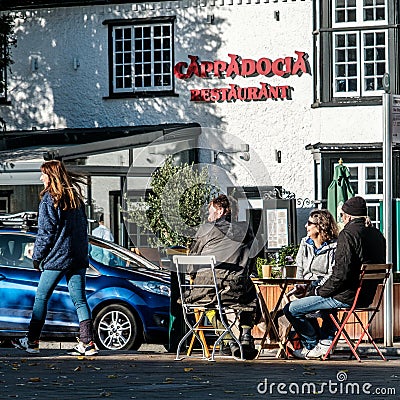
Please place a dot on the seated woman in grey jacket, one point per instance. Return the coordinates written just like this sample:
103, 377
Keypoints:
316, 255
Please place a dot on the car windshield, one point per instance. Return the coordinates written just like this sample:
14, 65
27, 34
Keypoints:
109, 254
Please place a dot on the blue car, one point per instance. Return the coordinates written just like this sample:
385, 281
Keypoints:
128, 295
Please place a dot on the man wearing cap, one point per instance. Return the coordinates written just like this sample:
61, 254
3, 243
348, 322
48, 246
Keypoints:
358, 243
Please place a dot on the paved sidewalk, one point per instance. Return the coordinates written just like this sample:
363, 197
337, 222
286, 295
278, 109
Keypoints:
156, 375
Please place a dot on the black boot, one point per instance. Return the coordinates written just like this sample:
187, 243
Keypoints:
86, 331
225, 348
247, 342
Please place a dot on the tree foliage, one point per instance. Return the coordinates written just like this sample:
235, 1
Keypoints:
175, 207
7, 41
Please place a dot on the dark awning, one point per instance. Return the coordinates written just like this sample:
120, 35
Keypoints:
69, 144
327, 147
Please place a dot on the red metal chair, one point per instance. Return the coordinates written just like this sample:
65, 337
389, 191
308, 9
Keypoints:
379, 272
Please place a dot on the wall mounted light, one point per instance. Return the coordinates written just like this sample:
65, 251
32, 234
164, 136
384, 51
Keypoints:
242, 150
34, 64
278, 156
76, 63
276, 15
210, 18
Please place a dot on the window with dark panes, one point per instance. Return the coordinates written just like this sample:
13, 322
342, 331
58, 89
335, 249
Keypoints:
374, 180
366, 179
354, 47
359, 55
142, 57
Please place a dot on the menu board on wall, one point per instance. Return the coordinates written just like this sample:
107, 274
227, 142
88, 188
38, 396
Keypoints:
277, 227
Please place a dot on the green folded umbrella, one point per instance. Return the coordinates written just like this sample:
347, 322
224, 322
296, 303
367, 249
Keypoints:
339, 190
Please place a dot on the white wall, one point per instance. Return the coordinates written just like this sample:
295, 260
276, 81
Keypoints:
57, 96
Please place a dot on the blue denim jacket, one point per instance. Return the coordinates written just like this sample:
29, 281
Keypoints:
62, 240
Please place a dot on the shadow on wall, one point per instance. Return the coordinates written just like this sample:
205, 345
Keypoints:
61, 72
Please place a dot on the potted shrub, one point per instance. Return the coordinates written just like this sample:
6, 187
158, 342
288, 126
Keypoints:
287, 260
267, 267
282, 262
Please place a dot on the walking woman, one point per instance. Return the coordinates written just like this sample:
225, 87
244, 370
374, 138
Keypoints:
61, 249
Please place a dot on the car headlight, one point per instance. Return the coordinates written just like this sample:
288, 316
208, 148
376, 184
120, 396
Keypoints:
153, 287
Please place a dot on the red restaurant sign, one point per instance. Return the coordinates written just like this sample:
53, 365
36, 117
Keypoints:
282, 67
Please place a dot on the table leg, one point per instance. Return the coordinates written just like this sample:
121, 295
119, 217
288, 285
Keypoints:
270, 324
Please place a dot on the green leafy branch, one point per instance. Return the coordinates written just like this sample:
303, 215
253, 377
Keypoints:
7, 41
174, 208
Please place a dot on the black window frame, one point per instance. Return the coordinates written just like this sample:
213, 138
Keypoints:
323, 55
136, 22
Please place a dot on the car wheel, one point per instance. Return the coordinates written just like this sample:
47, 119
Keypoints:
116, 328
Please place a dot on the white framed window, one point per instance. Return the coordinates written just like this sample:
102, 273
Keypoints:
142, 57
354, 42
358, 12
359, 63
359, 55
367, 181
346, 64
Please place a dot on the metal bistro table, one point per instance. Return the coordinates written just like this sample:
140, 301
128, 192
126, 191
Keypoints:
272, 330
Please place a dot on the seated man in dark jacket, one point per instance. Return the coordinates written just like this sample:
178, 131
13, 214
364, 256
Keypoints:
358, 243
230, 242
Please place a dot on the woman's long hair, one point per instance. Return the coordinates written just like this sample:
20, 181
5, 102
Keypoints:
325, 223
64, 187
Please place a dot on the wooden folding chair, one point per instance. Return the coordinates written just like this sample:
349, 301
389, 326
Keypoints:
194, 313
380, 272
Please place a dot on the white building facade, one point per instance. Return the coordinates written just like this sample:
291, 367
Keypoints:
286, 87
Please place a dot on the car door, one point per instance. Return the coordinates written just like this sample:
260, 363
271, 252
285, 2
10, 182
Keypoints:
18, 281
18, 286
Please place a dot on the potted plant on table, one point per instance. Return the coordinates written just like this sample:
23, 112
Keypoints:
280, 263
286, 260
267, 267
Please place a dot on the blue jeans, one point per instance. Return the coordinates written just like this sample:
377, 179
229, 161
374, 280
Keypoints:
49, 279
308, 329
